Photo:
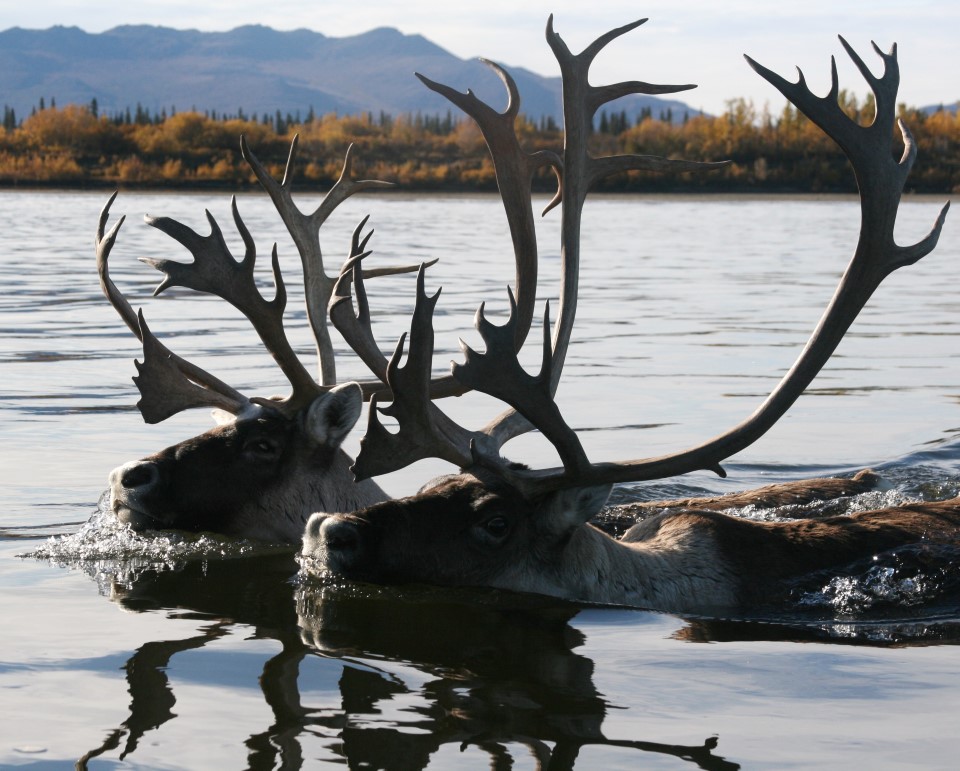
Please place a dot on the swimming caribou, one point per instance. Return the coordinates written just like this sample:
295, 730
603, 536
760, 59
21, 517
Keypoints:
270, 462
500, 524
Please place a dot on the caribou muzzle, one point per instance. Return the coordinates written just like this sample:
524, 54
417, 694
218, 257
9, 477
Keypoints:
133, 489
336, 544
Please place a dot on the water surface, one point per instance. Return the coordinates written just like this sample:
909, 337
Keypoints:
164, 654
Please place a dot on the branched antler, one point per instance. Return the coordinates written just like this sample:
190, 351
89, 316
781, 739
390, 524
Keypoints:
215, 271
424, 431
881, 180
305, 230
578, 171
168, 384
497, 372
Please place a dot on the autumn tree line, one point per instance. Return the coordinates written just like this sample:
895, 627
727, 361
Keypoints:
778, 152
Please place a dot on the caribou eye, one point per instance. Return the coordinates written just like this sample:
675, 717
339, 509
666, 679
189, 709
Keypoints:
498, 527
262, 448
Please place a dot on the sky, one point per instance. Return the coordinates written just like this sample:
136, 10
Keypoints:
684, 41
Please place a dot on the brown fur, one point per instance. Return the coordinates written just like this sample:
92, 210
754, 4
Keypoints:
794, 493
763, 554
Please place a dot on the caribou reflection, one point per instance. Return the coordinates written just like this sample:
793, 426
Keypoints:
502, 675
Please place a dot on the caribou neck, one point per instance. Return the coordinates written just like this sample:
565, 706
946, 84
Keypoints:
675, 569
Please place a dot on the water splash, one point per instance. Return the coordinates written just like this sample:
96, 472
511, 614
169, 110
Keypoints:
112, 553
907, 577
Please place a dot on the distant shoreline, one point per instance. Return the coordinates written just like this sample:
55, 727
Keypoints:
411, 192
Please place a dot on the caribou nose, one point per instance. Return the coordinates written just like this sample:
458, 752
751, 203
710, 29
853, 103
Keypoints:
311, 533
339, 535
136, 475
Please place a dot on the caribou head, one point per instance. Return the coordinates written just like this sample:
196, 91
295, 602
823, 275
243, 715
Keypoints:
258, 475
502, 525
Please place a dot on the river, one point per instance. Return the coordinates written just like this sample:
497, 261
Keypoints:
212, 654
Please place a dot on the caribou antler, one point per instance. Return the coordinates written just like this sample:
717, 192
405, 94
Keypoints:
167, 383
424, 431
305, 231
881, 180
578, 171
215, 271
582, 171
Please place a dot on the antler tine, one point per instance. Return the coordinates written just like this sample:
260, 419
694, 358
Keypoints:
497, 372
168, 384
354, 325
104, 244
215, 271
305, 231
514, 170
424, 431
881, 180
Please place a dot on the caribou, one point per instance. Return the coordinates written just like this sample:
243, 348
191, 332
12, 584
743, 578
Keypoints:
270, 462
499, 524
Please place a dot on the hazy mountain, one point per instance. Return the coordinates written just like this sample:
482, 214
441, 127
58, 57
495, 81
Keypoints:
258, 70
951, 108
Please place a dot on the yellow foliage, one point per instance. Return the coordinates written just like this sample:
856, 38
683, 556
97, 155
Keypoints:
48, 167
131, 169
172, 170
72, 128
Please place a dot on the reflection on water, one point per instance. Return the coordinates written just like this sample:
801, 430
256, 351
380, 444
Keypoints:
691, 309
499, 674
419, 669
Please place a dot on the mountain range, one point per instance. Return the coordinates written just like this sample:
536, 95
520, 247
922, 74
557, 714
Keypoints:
259, 70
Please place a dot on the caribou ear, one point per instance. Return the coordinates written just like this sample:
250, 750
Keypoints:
331, 415
566, 509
